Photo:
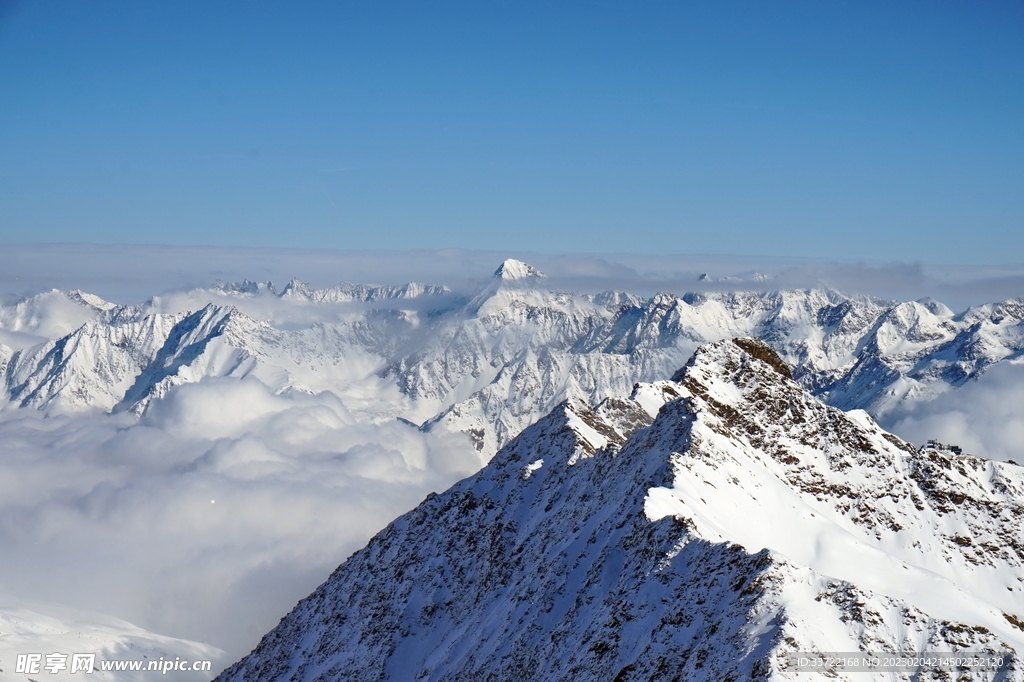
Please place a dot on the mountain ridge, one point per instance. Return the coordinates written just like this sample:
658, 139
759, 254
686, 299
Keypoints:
491, 364
603, 543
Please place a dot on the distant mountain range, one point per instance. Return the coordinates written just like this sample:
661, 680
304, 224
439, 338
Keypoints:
487, 365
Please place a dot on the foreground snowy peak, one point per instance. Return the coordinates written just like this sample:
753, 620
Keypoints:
703, 528
956, 515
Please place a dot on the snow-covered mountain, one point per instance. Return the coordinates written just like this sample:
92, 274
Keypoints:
488, 364
705, 528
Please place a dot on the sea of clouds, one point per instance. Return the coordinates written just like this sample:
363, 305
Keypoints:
211, 515
984, 417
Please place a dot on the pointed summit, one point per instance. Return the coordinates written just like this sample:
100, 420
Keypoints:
513, 269
513, 278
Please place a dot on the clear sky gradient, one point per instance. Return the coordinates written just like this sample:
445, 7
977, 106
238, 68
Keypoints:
879, 131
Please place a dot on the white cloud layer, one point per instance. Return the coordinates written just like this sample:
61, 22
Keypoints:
212, 515
984, 416
142, 270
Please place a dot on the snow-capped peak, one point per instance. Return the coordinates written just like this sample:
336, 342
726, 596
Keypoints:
708, 538
513, 269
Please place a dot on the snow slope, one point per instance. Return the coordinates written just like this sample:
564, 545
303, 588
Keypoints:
702, 529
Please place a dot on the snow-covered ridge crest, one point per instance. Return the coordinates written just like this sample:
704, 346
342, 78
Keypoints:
702, 529
346, 292
90, 368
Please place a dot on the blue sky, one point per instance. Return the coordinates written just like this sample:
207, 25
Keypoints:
879, 131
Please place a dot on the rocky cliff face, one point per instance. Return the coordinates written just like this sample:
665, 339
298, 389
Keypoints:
703, 528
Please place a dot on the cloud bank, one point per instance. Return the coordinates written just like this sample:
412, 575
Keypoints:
209, 517
985, 416
132, 273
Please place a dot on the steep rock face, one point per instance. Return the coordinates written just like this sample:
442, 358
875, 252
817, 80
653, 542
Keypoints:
6, 352
701, 529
